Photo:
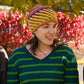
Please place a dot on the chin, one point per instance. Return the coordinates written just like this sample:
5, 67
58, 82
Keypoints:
49, 43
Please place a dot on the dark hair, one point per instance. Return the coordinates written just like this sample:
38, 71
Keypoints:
34, 44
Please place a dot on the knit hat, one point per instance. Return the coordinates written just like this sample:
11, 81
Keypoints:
40, 15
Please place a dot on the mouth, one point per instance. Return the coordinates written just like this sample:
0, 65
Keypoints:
49, 38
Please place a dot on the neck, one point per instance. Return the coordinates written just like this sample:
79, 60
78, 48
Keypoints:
43, 48
44, 52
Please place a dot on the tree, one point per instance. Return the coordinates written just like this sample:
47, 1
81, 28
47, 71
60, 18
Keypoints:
13, 33
71, 30
74, 6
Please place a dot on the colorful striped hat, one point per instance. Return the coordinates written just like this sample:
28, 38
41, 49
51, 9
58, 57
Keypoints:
40, 15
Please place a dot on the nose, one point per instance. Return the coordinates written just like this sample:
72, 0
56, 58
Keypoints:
51, 30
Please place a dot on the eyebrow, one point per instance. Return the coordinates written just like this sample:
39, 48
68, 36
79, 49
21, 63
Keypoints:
49, 24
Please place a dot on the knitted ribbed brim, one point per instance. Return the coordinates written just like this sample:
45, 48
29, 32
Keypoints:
39, 16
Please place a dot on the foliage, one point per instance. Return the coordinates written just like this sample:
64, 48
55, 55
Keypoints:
71, 30
13, 34
74, 6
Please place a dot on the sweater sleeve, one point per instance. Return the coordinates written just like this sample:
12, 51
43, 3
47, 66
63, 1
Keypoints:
70, 68
12, 73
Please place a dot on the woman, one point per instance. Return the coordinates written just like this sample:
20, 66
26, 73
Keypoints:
44, 59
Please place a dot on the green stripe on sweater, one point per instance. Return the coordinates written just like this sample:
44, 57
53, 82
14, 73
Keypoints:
40, 65
41, 80
34, 72
12, 81
17, 54
65, 51
11, 65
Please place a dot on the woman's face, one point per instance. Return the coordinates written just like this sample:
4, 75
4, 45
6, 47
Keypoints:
46, 33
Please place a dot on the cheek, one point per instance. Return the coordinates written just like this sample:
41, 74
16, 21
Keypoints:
55, 31
38, 34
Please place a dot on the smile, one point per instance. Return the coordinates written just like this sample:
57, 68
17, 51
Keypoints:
49, 38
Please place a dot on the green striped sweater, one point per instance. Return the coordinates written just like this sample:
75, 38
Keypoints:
59, 67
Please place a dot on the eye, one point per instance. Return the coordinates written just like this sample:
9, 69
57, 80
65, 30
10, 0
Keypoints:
55, 26
46, 26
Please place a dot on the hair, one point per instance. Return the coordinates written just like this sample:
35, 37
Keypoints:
34, 44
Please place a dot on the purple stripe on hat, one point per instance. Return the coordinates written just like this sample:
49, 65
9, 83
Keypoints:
37, 9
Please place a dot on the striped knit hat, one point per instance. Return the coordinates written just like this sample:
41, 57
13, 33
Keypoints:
40, 15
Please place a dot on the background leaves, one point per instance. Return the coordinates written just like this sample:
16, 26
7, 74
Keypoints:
62, 5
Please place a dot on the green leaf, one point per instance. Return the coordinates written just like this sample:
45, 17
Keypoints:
3, 2
44, 2
9, 14
65, 14
23, 11
26, 20
64, 4
71, 16
20, 12
76, 12
14, 10
22, 21
30, 4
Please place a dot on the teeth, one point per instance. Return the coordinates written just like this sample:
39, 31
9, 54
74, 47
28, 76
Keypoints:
50, 37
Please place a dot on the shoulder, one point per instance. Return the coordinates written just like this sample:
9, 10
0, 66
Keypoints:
64, 48
66, 52
20, 49
18, 52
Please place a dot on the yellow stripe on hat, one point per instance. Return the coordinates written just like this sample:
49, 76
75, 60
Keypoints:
49, 13
42, 18
45, 15
37, 21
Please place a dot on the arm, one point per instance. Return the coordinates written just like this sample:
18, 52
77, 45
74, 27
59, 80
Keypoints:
70, 68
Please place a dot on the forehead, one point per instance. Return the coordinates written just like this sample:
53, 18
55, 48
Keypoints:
50, 23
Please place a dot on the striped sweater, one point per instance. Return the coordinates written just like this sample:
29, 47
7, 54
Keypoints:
59, 67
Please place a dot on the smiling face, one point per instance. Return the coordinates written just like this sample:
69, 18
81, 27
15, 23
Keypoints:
46, 33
